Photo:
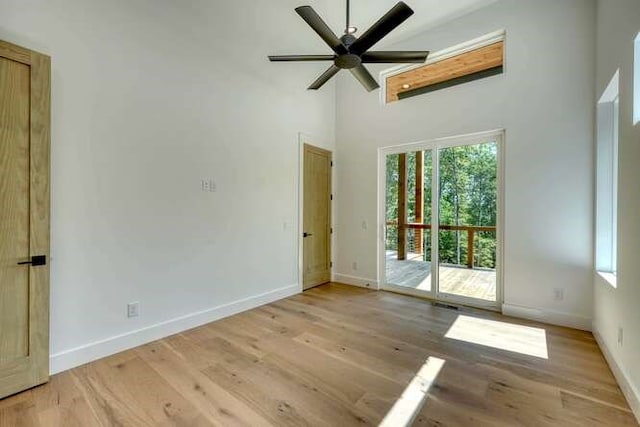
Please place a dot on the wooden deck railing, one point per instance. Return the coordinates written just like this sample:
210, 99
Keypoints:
470, 229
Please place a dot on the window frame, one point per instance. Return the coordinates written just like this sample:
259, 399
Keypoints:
636, 80
608, 132
461, 48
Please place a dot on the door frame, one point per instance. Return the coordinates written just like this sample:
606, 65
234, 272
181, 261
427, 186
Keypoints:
33, 369
305, 138
435, 145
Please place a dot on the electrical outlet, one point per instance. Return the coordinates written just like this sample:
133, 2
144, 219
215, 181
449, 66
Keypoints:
620, 336
365, 225
354, 265
558, 294
133, 309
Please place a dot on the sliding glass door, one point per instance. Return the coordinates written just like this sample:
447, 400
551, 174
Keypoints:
468, 212
408, 238
442, 202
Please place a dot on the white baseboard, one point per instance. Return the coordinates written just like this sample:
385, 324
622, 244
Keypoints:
77, 356
355, 281
548, 316
629, 391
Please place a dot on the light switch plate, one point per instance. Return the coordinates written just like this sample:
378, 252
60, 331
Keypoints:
133, 309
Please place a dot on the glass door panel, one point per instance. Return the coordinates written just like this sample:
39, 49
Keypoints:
468, 211
408, 220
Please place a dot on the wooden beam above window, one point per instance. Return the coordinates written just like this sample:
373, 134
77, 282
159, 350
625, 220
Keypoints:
467, 66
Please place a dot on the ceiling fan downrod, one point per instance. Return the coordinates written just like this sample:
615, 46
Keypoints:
348, 29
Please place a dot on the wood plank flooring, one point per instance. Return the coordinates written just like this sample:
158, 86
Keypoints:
338, 356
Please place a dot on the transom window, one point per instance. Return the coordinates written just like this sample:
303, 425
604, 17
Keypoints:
463, 63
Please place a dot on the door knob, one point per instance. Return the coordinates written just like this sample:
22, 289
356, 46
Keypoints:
36, 260
305, 234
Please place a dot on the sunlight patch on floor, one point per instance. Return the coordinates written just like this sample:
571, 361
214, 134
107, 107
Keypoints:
409, 404
501, 335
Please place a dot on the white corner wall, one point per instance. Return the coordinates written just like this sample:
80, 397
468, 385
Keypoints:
617, 26
545, 103
148, 98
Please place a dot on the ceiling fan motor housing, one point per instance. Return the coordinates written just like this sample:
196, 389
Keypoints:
347, 61
348, 39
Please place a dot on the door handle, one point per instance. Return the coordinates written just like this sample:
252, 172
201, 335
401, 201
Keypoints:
305, 234
36, 260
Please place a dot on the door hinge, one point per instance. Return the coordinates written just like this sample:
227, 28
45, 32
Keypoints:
331, 230
330, 263
331, 163
332, 197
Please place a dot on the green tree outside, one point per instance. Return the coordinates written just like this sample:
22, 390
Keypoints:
468, 197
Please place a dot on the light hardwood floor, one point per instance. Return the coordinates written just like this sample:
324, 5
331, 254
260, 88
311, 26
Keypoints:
340, 356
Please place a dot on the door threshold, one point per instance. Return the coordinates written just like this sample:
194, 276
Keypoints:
443, 305
446, 304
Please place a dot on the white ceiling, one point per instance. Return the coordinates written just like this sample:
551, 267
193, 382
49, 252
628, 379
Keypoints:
428, 13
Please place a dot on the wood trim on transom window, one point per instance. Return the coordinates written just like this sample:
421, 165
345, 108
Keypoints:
472, 65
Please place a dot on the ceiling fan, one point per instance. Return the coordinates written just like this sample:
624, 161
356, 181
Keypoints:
351, 52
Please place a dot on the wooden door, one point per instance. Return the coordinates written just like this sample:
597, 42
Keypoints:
24, 218
317, 217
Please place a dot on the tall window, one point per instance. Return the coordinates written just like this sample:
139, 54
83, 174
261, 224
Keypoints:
636, 80
607, 178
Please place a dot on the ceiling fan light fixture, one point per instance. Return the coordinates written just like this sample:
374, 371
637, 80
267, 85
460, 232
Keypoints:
351, 30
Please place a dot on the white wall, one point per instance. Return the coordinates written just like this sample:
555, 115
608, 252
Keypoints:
149, 97
545, 103
618, 25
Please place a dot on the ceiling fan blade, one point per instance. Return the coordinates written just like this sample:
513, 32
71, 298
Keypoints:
394, 56
286, 58
319, 26
332, 71
364, 77
394, 17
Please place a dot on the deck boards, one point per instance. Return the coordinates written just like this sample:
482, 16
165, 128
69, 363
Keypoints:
455, 280
334, 355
